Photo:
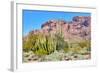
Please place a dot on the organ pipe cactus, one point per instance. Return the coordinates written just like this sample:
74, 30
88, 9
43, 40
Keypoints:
44, 45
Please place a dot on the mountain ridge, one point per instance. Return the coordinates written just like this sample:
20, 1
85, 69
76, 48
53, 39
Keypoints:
78, 28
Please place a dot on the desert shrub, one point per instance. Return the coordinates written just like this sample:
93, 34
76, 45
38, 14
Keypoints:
60, 43
89, 45
26, 46
80, 47
55, 56
73, 48
85, 44
77, 50
66, 46
44, 45
29, 43
82, 44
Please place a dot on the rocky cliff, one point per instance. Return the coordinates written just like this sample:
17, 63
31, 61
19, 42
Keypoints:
78, 28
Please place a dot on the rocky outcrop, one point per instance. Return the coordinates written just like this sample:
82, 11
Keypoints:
79, 27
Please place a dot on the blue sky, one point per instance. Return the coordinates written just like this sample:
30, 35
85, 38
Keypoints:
33, 19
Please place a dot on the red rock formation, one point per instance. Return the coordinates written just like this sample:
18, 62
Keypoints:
79, 27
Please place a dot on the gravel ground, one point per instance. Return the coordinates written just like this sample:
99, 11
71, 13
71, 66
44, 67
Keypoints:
56, 56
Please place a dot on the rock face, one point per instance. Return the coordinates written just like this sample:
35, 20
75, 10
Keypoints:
79, 27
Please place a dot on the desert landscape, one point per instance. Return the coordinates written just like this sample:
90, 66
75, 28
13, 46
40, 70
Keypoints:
59, 40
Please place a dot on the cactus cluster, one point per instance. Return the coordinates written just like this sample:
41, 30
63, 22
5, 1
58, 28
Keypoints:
44, 45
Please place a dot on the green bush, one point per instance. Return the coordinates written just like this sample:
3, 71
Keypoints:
44, 45
27, 46
85, 43
60, 43
66, 47
81, 47
29, 43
